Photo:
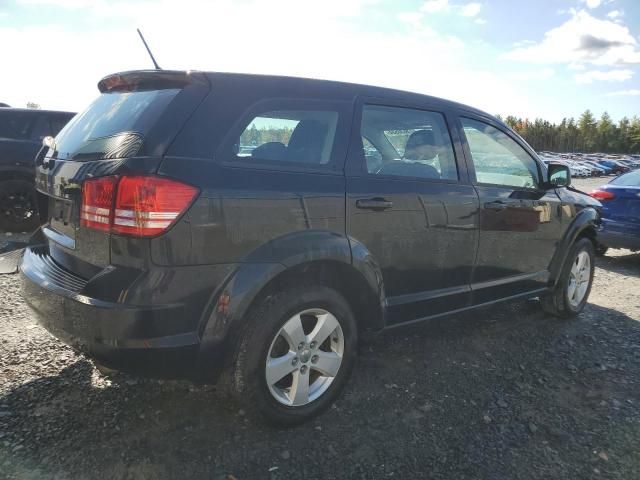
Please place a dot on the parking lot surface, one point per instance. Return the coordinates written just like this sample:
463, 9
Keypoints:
505, 392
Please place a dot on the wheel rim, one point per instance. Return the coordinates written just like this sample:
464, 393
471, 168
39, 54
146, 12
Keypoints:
579, 278
304, 357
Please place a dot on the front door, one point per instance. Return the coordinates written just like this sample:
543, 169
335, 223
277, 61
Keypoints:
412, 208
520, 223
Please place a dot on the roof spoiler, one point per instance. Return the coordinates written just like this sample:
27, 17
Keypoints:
150, 79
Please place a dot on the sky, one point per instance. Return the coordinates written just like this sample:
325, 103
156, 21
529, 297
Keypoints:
529, 58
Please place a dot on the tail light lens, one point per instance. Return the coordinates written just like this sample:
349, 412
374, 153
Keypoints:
140, 206
97, 203
602, 195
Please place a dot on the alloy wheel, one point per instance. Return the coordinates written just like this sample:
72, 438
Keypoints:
304, 357
579, 278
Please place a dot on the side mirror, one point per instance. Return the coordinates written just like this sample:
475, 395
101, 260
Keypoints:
559, 175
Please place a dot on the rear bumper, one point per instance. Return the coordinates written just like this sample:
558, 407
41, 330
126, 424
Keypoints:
154, 340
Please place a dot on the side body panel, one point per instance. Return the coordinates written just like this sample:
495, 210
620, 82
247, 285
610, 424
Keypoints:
520, 229
425, 243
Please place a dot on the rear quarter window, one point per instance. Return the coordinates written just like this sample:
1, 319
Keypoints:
303, 137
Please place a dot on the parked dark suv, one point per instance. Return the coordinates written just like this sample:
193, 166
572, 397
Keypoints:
21, 134
251, 228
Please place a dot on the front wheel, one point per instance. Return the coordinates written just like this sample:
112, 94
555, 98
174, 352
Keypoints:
296, 354
571, 293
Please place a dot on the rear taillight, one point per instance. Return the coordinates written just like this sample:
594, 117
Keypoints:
602, 195
97, 203
140, 206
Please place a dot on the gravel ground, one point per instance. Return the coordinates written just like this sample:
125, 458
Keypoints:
505, 392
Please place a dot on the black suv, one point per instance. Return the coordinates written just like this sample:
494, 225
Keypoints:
249, 229
21, 135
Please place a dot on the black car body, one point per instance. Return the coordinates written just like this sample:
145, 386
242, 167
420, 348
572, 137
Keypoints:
402, 241
21, 135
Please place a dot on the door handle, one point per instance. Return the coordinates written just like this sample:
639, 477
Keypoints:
497, 206
376, 204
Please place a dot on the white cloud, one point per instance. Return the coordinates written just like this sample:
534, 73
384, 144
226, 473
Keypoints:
624, 93
434, 6
313, 40
576, 66
597, 75
582, 39
471, 9
480, 21
592, 3
533, 75
615, 14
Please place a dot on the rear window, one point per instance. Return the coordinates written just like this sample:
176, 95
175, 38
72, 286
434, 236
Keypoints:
628, 180
114, 125
16, 126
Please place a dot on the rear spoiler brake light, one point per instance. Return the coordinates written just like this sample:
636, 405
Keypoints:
150, 79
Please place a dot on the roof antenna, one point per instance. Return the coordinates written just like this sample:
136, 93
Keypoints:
148, 50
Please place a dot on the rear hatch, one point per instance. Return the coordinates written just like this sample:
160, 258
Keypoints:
126, 129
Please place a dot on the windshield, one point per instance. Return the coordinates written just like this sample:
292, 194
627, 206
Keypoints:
114, 125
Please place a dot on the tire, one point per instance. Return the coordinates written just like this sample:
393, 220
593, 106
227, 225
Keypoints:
264, 339
18, 207
565, 301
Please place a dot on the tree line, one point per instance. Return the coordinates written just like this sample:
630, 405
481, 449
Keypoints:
586, 135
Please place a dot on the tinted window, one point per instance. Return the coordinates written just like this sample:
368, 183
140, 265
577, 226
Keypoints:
16, 126
57, 123
497, 158
406, 142
295, 136
114, 125
628, 180
372, 156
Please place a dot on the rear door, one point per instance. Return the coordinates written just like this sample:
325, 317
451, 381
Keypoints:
520, 223
410, 204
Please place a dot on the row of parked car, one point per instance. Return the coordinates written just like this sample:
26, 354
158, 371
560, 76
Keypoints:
593, 165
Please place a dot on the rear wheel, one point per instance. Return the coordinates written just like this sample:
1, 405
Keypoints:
18, 211
574, 285
296, 355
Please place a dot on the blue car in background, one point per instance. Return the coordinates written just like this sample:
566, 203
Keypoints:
620, 200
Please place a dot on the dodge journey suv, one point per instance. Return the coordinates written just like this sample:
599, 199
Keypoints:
249, 229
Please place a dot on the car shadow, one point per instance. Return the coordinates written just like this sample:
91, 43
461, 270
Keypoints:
623, 262
503, 392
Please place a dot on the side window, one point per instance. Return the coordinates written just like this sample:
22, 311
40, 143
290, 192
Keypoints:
498, 159
16, 126
409, 143
293, 136
372, 155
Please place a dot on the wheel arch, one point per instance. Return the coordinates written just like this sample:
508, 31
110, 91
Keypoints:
584, 225
321, 258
